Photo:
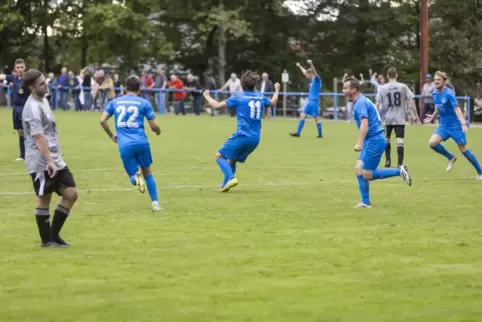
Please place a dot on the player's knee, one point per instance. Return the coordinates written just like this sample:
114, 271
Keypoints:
146, 171
359, 168
218, 155
71, 194
367, 175
433, 142
400, 141
302, 116
463, 148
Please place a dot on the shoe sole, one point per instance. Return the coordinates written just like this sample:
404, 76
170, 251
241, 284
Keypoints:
230, 185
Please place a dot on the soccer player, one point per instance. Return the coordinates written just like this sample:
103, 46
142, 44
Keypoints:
129, 112
312, 107
371, 143
452, 124
44, 162
392, 98
20, 94
249, 106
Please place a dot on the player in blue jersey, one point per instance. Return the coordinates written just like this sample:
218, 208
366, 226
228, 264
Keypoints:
129, 112
312, 108
452, 124
371, 143
20, 95
249, 106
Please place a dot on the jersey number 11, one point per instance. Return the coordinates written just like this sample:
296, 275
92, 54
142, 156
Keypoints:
255, 110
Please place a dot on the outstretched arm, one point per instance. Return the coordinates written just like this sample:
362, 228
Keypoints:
301, 68
212, 102
274, 99
310, 63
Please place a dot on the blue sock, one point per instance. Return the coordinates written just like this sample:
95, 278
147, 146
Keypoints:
384, 173
233, 168
318, 125
133, 180
439, 148
226, 169
364, 187
300, 126
472, 159
151, 187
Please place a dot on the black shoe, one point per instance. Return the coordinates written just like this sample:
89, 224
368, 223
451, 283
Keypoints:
319, 137
295, 135
45, 244
59, 242
388, 163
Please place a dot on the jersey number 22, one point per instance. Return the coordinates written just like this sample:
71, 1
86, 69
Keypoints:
255, 110
131, 121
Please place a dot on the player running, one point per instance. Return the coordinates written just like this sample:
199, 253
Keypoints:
312, 108
371, 143
392, 99
20, 94
452, 124
129, 112
249, 107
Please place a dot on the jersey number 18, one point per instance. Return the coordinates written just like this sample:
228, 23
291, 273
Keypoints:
131, 121
396, 100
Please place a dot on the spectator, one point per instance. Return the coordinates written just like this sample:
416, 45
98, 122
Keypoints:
51, 84
75, 89
176, 83
160, 83
193, 84
266, 86
378, 81
210, 84
146, 82
87, 88
118, 86
427, 90
108, 85
63, 86
99, 90
234, 85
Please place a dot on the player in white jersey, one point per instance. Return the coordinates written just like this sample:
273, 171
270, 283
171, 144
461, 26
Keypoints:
44, 162
392, 99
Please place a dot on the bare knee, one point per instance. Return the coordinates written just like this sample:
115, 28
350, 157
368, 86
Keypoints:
359, 168
146, 171
70, 195
434, 141
400, 141
219, 155
367, 175
302, 116
463, 148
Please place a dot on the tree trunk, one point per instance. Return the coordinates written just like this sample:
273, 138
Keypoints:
221, 50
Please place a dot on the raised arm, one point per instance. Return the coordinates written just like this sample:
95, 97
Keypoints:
301, 68
212, 102
310, 63
274, 99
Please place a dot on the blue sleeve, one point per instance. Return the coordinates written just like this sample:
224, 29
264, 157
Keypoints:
266, 101
232, 101
361, 110
149, 111
9, 78
453, 100
110, 108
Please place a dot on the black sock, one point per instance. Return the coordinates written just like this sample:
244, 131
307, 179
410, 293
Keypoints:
21, 143
400, 152
388, 151
43, 223
60, 215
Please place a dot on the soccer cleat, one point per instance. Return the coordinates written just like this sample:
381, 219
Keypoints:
479, 177
45, 244
140, 182
295, 135
363, 205
19, 159
230, 184
451, 164
59, 242
388, 163
319, 137
156, 206
405, 176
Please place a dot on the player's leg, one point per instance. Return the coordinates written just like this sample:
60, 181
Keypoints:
131, 166
17, 125
301, 122
318, 126
232, 163
461, 140
67, 189
228, 151
144, 159
437, 137
42, 188
400, 135
388, 148
363, 184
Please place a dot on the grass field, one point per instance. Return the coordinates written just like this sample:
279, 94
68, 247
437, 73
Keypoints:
285, 245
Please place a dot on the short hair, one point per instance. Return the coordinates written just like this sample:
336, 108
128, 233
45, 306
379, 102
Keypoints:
133, 83
19, 61
309, 70
441, 74
354, 83
249, 80
392, 73
31, 77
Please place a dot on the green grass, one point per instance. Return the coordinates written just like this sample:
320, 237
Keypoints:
285, 245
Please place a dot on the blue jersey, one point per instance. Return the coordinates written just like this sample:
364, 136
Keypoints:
445, 102
364, 108
315, 88
129, 112
249, 112
20, 94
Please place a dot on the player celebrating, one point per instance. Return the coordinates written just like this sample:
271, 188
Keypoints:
20, 94
44, 162
371, 143
129, 112
312, 107
452, 124
392, 98
249, 107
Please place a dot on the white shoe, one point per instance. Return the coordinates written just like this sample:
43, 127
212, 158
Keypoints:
479, 177
156, 206
451, 164
404, 175
362, 205
19, 159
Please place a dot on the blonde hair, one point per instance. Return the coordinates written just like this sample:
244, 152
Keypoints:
442, 74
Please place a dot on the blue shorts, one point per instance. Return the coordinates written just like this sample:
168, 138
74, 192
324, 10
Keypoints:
455, 133
135, 156
239, 147
311, 109
372, 152
17, 117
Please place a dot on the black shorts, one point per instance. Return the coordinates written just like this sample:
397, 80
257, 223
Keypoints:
17, 117
399, 131
44, 185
